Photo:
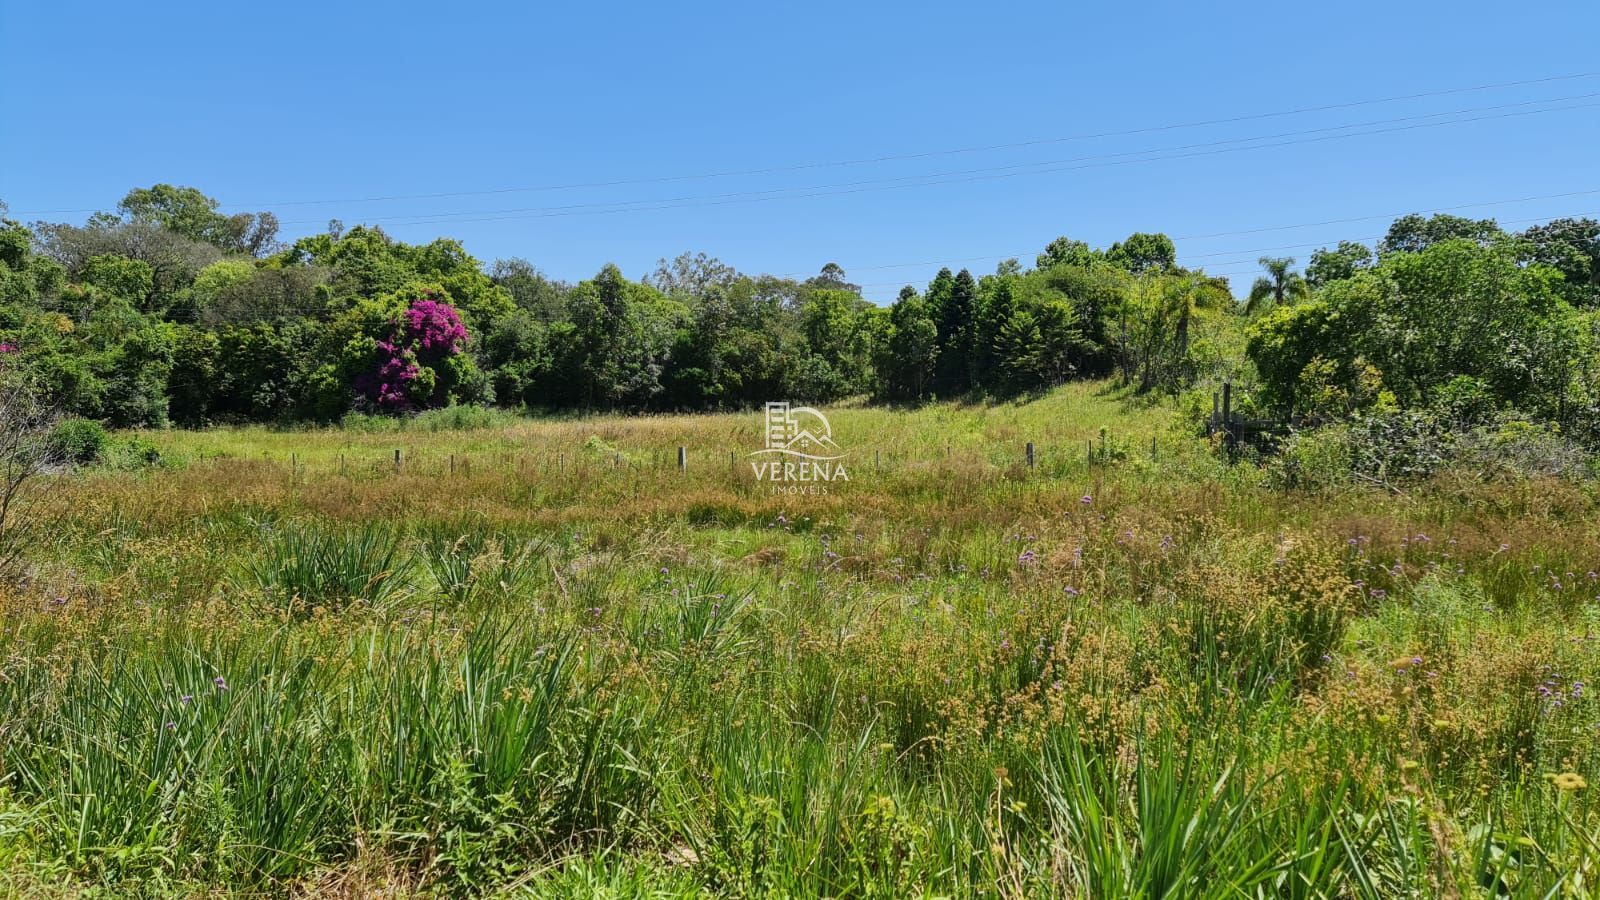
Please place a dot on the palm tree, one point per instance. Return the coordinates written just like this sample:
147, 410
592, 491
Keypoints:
1279, 285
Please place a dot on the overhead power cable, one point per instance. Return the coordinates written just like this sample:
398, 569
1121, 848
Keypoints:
798, 167
928, 180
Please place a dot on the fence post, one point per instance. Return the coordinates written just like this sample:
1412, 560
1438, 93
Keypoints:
1030, 454
341, 465
1152, 446
683, 459
1227, 415
452, 464
877, 460
397, 460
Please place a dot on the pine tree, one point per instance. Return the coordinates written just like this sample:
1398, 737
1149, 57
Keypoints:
955, 321
911, 349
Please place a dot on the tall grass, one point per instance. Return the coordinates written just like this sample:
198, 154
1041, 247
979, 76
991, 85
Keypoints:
557, 674
304, 568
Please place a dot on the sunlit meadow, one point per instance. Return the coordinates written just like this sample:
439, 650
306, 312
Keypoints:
536, 658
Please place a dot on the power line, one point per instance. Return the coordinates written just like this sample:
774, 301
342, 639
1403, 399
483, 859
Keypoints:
1190, 237
938, 179
1244, 254
904, 156
775, 193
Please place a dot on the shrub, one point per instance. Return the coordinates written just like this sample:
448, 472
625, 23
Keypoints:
1313, 460
132, 452
457, 417
468, 561
77, 441
305, 568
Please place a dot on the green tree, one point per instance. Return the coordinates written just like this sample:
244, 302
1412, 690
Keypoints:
120, 277
619, 341
910, 350
1571, 247
1142, 253
1064, 251
1415, 233
191, 380
1418, 321
1281, 286
1155, 322
531, 289
187, 211
954, 301
838, 329
1344, 261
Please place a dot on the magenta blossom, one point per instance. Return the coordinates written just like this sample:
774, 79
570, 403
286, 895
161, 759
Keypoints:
428, 331
434, 329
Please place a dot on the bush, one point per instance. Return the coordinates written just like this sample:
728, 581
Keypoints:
460, 417
77, 441
369, 423
1518, 448
1402, 446
1378, 449
132, 452
456, 417
304, 568
1313, 460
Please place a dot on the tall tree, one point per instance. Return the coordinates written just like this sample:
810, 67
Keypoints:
692, 275
187, 211
1064, 251
832, 278
1281, 285
955, 317
1414, 233
910, 350
1344, 261
1143, 252
1571, 247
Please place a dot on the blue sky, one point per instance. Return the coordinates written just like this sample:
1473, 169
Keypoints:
269, 106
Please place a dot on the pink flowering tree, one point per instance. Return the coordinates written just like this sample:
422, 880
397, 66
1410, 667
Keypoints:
421, 362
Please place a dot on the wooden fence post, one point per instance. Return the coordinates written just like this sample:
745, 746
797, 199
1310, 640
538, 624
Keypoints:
397, 460
1030, 454
1227, 415
683, 459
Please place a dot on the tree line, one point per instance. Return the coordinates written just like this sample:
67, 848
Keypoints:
168, 311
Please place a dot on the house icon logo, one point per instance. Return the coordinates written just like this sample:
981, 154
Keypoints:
799, 431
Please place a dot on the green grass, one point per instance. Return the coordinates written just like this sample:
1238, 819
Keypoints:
557, 672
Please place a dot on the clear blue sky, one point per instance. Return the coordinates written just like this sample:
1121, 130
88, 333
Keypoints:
262, 104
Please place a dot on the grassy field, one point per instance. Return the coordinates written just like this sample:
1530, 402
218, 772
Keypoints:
538, 659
